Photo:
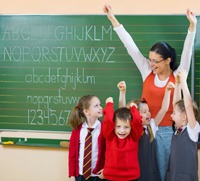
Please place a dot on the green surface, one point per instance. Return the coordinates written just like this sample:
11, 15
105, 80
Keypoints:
35, 142
48, 62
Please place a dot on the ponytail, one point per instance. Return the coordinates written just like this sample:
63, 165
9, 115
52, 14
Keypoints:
173, 63
76, 118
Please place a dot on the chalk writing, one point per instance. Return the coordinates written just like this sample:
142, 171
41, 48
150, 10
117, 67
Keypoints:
49, 65
59, 33
57, 54
68, 77
44, 101
48, 117
83, 33
44, 114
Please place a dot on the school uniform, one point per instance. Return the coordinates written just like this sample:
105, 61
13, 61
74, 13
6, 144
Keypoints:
76, 150
121, 154
183, 162
149, 170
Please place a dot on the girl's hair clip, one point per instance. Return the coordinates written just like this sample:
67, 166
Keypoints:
143, 100
77, 106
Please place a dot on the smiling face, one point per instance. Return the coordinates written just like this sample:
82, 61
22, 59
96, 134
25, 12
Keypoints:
179, 117
158, 63
122, 128
145, 113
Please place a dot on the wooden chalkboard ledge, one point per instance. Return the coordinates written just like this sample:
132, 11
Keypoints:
35, 142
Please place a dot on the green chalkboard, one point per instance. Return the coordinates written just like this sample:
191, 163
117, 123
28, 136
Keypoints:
48, 62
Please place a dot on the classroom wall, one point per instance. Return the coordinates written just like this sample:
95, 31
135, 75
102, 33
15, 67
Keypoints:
95, 6
50, 164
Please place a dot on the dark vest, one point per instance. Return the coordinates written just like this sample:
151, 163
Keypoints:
148, 160
183, 163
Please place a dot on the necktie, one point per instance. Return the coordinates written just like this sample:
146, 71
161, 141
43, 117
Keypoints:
144, 131
179, 131
87, 155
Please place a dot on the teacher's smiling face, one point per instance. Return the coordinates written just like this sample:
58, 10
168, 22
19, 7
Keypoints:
158, 64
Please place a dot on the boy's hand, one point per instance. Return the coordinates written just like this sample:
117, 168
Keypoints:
121, 86
133, 104
109, 99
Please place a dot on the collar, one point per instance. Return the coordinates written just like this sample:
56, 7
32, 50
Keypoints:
145, 126
160, 83
182, 128
97, 123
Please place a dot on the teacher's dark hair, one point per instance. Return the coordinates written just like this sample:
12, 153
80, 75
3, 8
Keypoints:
166, 51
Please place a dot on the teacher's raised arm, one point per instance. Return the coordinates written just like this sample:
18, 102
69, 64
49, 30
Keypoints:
157, 70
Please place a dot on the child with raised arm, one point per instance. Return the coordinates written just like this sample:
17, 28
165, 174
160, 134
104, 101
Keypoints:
159, 68
86, 130
122, 130
183, 163
147, 144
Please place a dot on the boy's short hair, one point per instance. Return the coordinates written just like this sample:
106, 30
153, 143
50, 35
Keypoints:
123, 114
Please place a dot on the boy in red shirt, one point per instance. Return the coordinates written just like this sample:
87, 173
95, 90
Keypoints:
122, 129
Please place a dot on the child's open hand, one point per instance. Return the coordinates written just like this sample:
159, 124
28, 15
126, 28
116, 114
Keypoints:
109, 99
121, 85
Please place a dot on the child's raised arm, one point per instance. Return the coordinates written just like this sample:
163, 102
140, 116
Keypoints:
108, 124
122, 94
188, 101
177, 90
136, 123
165, 104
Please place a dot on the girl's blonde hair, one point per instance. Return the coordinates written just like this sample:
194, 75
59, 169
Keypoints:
181, 107
77, 115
